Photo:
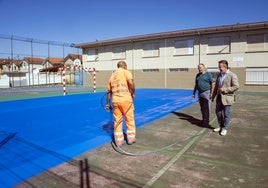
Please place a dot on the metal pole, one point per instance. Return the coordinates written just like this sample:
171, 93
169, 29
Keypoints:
87, 173
47, 59
10, 85
30, 63
94, 80
81, 174
12, 61
20, 76
63, 51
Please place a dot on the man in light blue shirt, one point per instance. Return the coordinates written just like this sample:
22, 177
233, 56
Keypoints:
224, 91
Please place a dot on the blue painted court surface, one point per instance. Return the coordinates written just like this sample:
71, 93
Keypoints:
37, 134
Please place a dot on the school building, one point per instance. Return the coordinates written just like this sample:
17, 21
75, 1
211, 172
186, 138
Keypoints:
170, 59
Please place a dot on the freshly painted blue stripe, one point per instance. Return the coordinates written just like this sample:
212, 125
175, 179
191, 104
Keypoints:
52, 130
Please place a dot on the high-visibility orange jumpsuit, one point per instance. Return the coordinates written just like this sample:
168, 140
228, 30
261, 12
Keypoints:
123, 106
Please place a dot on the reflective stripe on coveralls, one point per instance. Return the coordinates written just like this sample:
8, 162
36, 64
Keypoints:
126, 108
123, 106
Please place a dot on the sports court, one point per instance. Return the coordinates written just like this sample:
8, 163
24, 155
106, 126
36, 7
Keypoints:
193, 156
37, 134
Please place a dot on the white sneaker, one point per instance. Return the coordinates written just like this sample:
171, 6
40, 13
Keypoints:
223, 132
217, 129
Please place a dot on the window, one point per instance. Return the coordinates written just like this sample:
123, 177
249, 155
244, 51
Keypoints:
257, 42
24, 65
178, 69
150, 70
184, 47
151, 50
119, 53
92, 55
266, 42
258, 76
218, 45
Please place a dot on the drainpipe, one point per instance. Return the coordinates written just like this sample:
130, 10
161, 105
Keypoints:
199, 50
133, 66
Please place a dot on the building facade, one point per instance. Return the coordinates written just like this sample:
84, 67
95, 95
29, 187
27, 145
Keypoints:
170, 59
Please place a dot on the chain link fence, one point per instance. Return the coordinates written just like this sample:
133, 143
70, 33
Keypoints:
27, 62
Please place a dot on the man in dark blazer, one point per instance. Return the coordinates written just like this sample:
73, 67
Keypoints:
224, 91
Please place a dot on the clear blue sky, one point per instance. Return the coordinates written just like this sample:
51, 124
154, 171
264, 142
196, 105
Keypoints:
79, 21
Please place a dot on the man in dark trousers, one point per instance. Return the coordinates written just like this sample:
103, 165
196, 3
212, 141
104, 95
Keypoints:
204, 83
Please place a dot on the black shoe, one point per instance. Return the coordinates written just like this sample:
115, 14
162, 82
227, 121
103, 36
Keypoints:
207, 125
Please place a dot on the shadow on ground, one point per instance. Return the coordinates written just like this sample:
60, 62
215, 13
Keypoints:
238, 159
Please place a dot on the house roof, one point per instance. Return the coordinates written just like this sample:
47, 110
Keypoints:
178, 33
4, 61
55, 61
73, 57
34, 60
17, 62
50, 69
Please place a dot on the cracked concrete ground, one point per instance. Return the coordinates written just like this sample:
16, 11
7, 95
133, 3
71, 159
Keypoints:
192, 156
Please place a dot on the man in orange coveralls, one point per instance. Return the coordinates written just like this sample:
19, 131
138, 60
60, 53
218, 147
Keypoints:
121, 89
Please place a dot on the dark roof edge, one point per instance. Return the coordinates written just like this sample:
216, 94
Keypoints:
188, 32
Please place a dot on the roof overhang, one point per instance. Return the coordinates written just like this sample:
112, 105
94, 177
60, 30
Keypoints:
179, 33
50, 69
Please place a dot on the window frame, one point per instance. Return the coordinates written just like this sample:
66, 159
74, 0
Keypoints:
183, 47
119, 53
220, 44
256, 76
94, 56
252, 43
150, 50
